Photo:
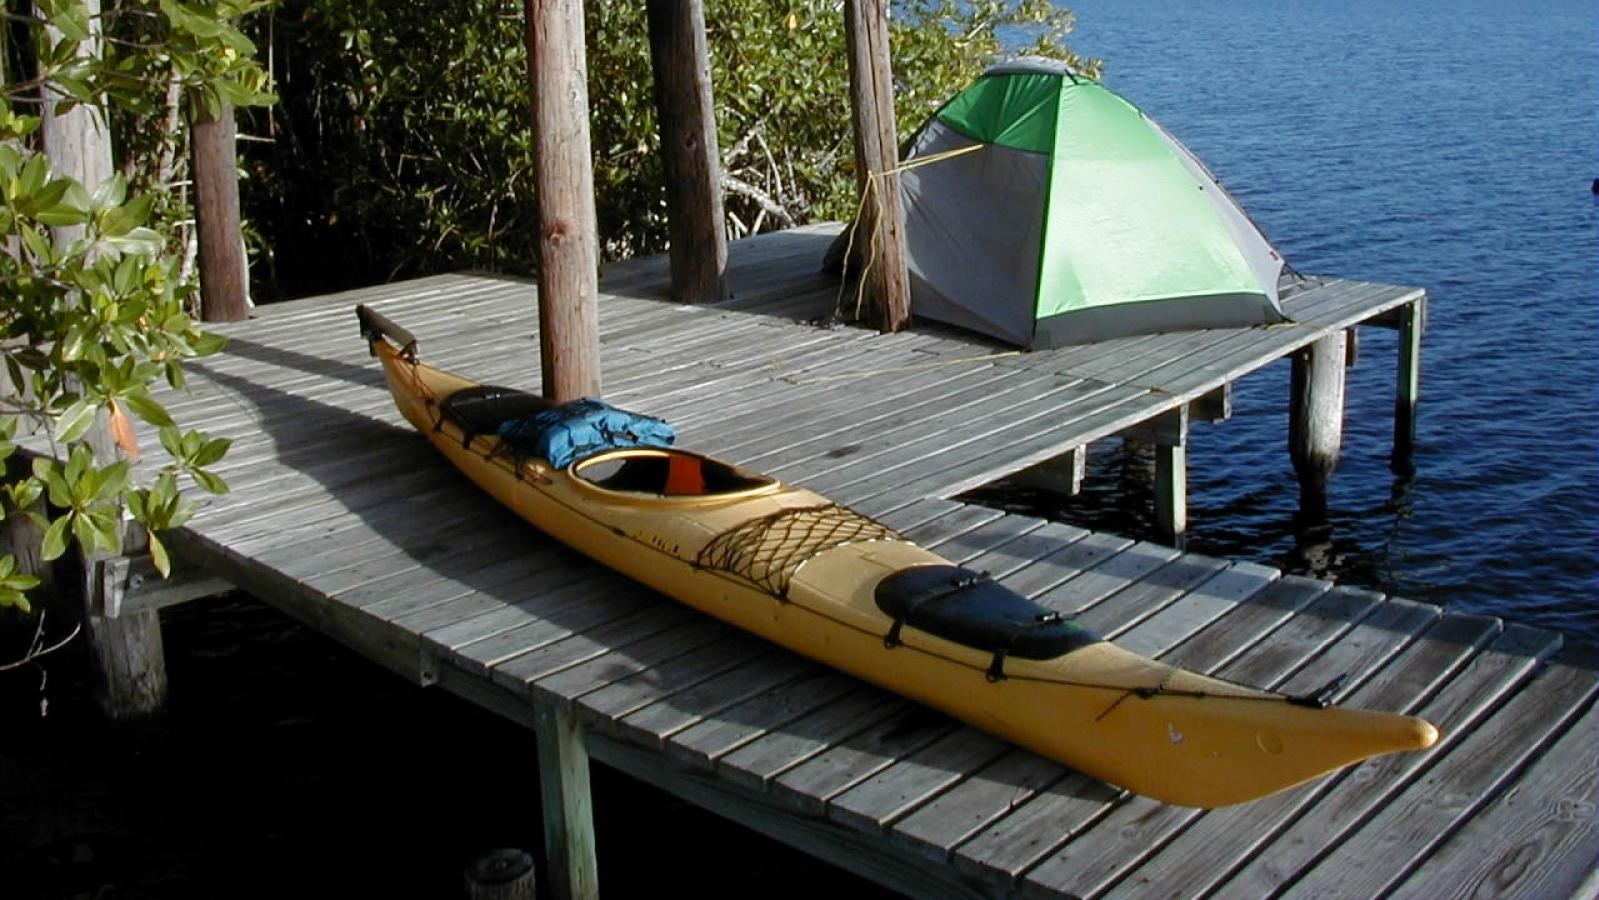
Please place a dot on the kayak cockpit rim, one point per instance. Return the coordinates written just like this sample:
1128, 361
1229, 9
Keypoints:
666, 475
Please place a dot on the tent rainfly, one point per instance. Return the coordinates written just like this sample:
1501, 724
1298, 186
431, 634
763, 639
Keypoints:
1072, 217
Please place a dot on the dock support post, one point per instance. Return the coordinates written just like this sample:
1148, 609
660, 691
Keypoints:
77, 139
129, 663
569, 328
506, 874
1171, 493
881, 240
682, 67
1316, 419
568, 805
1412, 322
1062, 474
224, 268
130, 666
1168, 434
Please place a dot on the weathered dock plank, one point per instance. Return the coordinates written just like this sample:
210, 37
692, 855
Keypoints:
1537, 838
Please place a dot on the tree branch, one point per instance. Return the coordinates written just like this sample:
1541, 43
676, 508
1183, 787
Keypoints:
36, 650
758, 197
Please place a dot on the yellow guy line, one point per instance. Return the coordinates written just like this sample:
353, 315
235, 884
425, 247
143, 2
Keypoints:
872, 180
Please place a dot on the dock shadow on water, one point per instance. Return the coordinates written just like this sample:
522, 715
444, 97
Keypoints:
288, 766
1348, 546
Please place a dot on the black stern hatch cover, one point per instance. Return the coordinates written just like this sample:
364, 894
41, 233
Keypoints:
970, 608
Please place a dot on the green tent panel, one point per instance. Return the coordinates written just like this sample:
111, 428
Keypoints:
1076, 218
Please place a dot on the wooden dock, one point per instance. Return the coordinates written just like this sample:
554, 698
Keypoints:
343, 517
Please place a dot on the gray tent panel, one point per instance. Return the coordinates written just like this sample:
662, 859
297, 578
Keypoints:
974, 227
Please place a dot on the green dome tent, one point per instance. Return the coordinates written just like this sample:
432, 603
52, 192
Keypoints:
1076, 218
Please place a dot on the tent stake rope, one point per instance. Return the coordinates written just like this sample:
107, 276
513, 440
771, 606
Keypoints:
871, 193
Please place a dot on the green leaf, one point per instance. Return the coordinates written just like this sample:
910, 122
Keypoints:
143, 241
72, 20
83, 530
171, 441
39, 246
211, 452
33, 175
17, 599
71, 346
113, 480
111, 193
149, 410
55, 538
21, 582
210, 482
207, 343
104, 530
158, 556
45, 198
137, 506
75, 421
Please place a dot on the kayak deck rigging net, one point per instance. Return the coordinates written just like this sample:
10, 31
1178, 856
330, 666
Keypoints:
768, 551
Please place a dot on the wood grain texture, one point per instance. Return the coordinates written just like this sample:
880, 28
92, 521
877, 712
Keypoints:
698, 239
881, 231
564, 179
224, 269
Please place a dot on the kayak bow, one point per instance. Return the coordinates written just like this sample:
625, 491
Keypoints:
789, 565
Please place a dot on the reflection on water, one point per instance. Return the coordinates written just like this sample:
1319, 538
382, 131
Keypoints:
1118, 497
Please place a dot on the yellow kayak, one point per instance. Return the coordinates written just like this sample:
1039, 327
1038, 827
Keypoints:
789, 565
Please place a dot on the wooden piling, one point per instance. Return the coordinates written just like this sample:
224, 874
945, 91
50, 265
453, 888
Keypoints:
568, 804
224, 270
506, 874
1167, 435
882, 221
77, 140
1063, 474
689, 150
129, 665
564, 179
1412, 321
1316, 419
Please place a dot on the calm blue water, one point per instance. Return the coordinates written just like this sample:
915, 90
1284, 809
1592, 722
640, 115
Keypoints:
1444, 144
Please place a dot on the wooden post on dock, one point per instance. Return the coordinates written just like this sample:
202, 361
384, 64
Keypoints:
129, 665
224, 270
1316, 419
568, 803
569, 340
77, 140
1412, 322
689, 150
1062, 475
1167, 435
506, 874
881, 227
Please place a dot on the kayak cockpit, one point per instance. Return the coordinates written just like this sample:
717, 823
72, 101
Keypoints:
484, 408
667, 473
606, 449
